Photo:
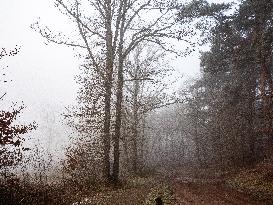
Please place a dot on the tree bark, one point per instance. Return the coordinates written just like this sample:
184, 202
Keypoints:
119, 92
108, 81
119, 97
135, 122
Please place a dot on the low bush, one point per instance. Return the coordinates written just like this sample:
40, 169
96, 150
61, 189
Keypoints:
14, 191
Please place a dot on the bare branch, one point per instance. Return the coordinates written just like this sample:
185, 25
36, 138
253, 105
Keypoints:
87, 46
139, 79
1, 98
135, 14
78, 20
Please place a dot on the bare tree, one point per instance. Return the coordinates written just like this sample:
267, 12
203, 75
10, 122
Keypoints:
146, 74
108, 36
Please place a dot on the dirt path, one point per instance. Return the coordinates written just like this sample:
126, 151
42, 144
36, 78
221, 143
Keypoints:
185, 193
211, 194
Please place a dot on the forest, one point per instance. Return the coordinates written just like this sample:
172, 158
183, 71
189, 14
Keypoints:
139, 132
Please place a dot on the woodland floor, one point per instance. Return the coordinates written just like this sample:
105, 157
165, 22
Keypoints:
143, 191
212, 194
185, 194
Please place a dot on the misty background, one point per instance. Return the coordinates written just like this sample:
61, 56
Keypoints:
42, 75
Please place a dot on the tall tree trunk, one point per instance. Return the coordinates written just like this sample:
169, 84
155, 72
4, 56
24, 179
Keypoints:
106, 133
119, 93
108, 81
251, 120
119, 97
263, 59
135, 122
135, 156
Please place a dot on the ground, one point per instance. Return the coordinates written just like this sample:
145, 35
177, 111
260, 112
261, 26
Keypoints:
179, 189
212, 194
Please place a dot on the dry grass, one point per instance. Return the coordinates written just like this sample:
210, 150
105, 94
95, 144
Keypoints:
257, 181
135, 191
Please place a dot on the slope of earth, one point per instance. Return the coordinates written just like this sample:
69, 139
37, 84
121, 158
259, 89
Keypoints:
257, 181
212, 194
172, 190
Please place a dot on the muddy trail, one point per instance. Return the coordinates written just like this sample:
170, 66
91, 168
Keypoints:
211, 194
185, 189
208, 188
185, 193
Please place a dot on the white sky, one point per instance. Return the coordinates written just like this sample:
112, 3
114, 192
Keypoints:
43, 75
40, 73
